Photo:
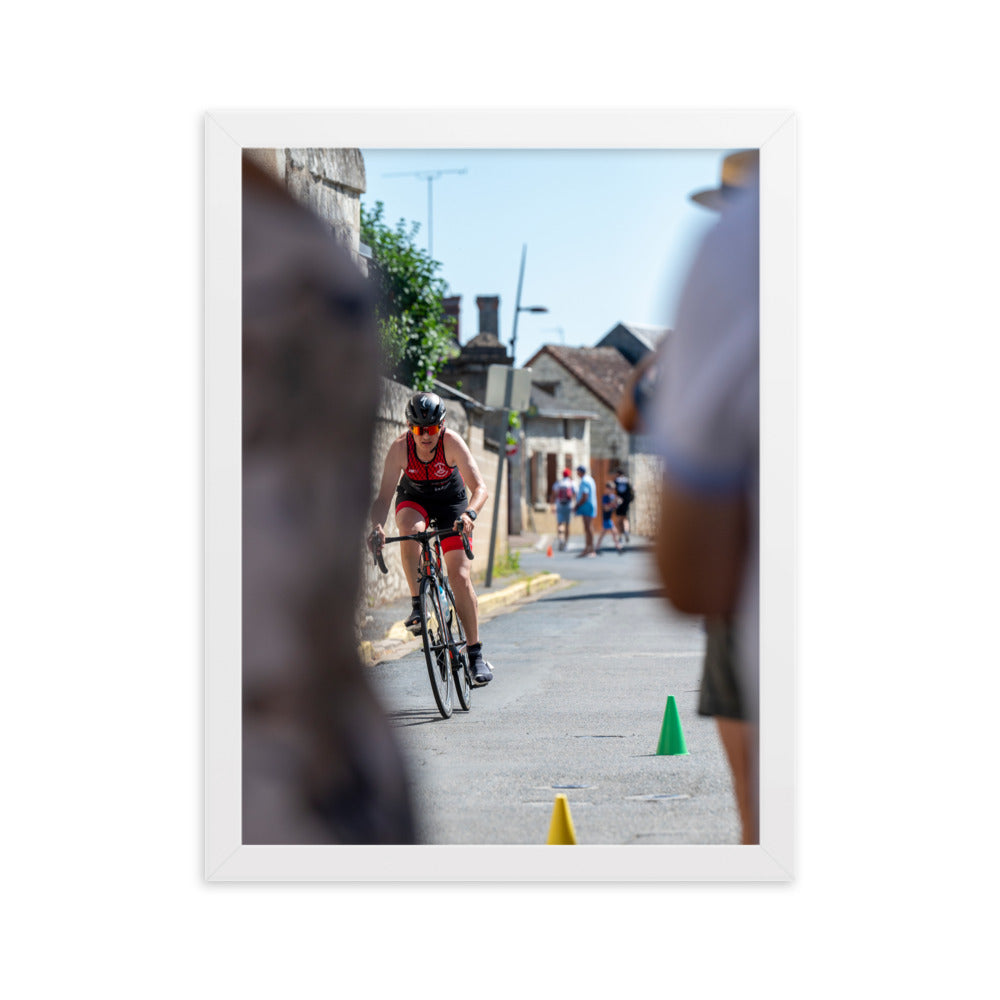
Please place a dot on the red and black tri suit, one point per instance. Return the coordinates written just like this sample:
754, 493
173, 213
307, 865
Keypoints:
434, 488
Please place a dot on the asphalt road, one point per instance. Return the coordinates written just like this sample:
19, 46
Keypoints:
582, 674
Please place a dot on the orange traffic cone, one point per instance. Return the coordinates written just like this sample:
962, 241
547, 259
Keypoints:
548, 551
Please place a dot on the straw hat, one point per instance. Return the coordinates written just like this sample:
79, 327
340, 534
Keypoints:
738, 171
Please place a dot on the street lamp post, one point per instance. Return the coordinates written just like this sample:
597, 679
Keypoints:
505, 420
518, 308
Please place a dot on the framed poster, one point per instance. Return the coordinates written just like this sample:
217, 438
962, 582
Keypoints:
227, 135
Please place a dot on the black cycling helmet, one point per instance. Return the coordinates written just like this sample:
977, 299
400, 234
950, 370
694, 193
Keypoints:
424, 408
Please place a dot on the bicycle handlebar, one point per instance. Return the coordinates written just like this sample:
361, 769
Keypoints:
418, 536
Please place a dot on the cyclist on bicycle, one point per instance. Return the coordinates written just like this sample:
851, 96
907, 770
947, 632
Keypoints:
432, 466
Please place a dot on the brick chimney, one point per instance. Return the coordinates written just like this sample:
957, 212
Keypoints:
489, 314
451, 310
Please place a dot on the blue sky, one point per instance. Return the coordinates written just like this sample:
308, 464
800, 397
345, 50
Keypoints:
609, 233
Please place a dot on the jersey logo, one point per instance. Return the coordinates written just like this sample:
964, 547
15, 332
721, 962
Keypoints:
440, 469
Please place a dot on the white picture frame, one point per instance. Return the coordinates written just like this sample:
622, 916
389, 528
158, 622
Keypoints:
227, 133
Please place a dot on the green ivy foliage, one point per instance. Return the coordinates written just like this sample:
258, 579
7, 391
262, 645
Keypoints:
417, 337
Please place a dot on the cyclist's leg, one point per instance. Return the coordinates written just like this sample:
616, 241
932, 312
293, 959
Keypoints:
466, 602
410, 517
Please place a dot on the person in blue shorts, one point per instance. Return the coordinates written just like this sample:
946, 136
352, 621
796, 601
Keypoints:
609, 504
586, 507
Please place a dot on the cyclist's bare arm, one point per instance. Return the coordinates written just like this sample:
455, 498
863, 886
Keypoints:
395, 462
457, 452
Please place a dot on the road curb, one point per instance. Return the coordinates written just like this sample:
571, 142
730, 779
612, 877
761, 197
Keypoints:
487, 602
524, 588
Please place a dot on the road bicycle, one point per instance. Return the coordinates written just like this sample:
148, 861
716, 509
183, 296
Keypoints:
443, 635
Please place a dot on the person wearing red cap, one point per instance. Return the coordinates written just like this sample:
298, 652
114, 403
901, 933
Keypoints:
562, 497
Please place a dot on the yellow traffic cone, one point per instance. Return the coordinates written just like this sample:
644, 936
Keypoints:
561, 828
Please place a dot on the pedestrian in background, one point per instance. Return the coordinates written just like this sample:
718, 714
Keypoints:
586, 507
623, 489
561, 497
609, 504
704, 420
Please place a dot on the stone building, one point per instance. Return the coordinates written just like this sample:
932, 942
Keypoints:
588, 382
556, 436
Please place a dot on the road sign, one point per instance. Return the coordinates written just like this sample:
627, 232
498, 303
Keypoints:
496, 387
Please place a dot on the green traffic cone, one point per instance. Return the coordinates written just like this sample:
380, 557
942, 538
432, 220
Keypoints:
671, 735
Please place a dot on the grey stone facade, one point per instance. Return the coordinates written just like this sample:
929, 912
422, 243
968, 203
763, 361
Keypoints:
568, 440
607, 437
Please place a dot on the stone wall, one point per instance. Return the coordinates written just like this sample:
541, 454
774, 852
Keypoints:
330, 182
390, 423
645, 473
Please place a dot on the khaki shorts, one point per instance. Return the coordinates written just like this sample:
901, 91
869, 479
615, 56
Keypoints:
720, 693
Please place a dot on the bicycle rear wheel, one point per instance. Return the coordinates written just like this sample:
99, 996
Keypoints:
459, 657
436, 645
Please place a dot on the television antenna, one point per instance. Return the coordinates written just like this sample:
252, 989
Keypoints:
430, 176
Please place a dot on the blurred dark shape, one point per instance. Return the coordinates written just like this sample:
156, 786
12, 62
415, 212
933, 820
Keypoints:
704, 419
320, 762
739, 172
640, 388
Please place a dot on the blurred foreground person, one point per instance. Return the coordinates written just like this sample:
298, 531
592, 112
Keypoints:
704, 419
320, 763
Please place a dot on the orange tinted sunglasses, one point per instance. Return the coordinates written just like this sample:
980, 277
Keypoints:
430, 429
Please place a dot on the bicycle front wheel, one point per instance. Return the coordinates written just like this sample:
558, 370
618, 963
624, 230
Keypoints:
437, 644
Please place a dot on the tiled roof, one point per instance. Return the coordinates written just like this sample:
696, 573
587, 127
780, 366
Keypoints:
602, 370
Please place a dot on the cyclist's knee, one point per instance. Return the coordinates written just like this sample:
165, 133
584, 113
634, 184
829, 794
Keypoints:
408, 521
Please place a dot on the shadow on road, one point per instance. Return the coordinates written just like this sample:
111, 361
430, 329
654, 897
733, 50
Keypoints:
655, 592
415, 717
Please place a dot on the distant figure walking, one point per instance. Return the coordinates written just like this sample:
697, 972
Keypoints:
625, 497
586, 507
562, 496
609, 504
